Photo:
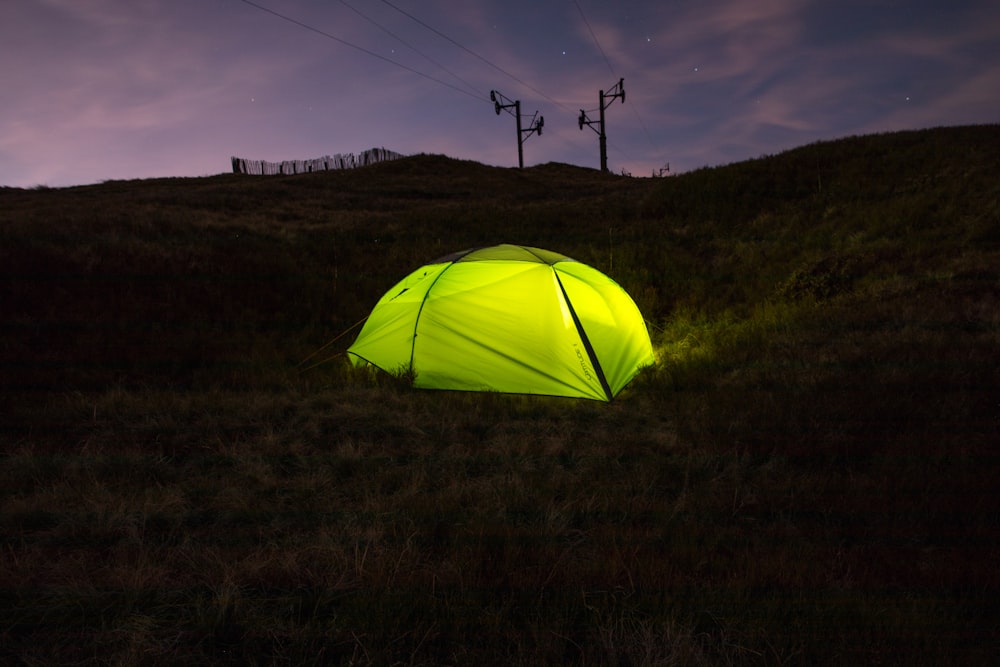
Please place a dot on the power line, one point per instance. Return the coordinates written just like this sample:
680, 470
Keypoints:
476, 55
424, 75
594, 36
597, 42
583, 114
406, 44
323, 33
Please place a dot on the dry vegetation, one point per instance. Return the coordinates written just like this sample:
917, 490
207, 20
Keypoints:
808, 476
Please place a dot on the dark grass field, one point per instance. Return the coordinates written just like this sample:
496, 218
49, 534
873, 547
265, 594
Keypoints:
807, 476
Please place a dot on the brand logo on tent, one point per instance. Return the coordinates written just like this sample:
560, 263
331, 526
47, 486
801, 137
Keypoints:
583, 363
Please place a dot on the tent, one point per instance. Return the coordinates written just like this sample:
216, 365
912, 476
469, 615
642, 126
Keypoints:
510, 319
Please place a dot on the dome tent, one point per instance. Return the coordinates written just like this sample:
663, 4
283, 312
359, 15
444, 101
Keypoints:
510, 319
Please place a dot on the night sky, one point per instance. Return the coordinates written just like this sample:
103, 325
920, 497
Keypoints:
96, 90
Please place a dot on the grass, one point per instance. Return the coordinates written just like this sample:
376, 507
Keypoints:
807, 476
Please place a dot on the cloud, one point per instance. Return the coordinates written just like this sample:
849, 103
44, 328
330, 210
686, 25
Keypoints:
153, 88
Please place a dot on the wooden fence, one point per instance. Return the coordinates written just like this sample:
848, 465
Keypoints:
348, 161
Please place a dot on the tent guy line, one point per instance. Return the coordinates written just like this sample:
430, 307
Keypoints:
327, 345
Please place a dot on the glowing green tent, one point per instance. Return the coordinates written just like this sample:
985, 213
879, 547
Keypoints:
511, 319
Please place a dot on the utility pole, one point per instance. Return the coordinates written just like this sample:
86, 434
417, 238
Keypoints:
605, 100
537, 122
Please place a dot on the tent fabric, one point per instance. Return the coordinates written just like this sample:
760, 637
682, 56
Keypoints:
508, 318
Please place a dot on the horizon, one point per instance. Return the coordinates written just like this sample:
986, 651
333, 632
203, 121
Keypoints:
596, 168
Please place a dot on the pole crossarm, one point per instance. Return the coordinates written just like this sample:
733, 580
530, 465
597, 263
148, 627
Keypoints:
537, 123
618, 90
583, 120
501, 103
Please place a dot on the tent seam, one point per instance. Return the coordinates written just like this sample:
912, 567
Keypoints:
420, 311
585, 339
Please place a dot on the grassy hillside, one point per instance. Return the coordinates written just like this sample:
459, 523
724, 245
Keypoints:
807, 476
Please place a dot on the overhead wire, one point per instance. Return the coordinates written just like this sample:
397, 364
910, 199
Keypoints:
600, 49
412, 70
594, 36
611, 68
476, 55
408, 45
362, 49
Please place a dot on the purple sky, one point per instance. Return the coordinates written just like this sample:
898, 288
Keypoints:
95, 90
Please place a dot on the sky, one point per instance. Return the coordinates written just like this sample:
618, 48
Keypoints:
99, 90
